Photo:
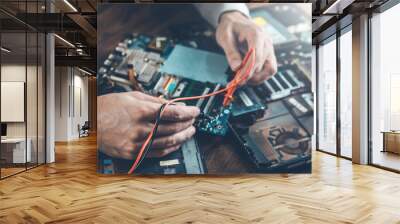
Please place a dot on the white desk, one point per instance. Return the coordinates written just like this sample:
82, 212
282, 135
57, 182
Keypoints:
16, 147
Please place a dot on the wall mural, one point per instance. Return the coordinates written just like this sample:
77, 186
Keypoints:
204, 88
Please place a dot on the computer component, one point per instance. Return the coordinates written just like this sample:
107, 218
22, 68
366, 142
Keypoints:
186, 160
214, 117
159, 45
279, 34
301, 106
192, 158
196, 64
276, 145
247, 107
215, 122
287, 81
162, 74
299, 53
280, 141
107, 166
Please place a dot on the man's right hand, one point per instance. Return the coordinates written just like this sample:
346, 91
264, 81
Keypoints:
125, 119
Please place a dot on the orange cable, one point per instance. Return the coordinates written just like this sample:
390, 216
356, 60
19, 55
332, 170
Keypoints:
230, 89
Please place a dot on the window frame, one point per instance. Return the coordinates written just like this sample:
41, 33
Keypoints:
334, 37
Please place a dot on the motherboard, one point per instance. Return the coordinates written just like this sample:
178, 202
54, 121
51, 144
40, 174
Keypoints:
159, 67
272, 122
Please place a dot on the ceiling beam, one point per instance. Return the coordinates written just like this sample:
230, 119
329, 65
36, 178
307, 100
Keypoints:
337, 7
86, 26
49, 22
320, 22
81, 61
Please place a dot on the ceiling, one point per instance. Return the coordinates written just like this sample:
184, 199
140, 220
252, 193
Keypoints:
76, 21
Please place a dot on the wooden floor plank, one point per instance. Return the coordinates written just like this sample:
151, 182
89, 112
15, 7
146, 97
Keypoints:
70, 191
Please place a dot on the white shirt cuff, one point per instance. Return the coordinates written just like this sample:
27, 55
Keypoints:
212, 11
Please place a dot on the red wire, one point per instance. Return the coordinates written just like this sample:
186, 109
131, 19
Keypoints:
232, 86
230, 89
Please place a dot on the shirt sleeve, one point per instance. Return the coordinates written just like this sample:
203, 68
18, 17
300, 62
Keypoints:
212, 11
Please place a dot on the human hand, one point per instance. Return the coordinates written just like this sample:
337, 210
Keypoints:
125, 120
234, 30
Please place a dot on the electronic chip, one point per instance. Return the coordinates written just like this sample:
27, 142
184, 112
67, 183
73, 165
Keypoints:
260, 21
195, 64
158, 44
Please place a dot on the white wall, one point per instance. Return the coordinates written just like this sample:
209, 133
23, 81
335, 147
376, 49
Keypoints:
71, 94
12, 73
33, 127
62, 82
16, 73
80, 111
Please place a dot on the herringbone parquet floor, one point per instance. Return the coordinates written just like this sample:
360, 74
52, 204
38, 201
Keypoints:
70, 191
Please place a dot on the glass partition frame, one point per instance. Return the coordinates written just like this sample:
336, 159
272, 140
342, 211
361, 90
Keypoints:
33, 64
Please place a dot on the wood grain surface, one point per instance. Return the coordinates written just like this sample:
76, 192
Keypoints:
70, 191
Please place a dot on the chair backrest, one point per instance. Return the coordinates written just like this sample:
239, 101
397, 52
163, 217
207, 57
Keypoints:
86, 125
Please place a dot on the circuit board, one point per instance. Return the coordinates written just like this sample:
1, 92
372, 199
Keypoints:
169, 70
187, 160
281, 140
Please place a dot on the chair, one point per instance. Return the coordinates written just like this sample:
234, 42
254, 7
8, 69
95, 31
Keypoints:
84, 130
